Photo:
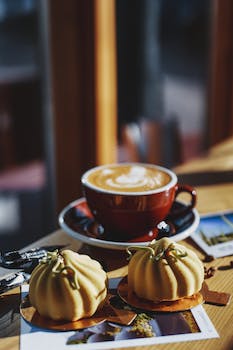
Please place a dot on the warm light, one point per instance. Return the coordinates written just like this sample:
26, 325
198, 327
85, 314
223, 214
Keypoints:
105, 88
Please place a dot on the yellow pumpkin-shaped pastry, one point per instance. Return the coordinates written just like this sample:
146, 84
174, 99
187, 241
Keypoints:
164, 271
67, 286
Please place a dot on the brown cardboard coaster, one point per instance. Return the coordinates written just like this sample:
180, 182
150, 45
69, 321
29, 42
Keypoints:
107, 313
165, 306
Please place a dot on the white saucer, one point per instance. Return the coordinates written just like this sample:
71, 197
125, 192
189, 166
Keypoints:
81, 235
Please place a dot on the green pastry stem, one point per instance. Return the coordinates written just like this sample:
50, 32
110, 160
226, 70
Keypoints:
148, 249
163, 253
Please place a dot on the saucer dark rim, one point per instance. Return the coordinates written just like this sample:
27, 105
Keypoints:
81, 235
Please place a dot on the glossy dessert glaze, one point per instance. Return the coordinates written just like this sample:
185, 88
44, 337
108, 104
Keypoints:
67, 286
164, 271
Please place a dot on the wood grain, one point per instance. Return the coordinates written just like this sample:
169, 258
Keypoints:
210, 199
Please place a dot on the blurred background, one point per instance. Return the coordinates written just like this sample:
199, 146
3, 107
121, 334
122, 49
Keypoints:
85, 82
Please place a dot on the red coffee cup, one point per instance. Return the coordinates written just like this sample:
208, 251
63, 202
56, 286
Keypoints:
125, 210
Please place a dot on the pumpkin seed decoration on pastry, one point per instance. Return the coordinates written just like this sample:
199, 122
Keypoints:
67, 286
164, 271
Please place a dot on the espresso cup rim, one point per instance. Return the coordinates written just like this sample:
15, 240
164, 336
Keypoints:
169, 185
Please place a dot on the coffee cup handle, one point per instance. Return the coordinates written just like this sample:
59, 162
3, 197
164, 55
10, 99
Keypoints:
185, 209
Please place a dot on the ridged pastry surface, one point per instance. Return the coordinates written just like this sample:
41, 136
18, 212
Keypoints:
67, 286
164, 271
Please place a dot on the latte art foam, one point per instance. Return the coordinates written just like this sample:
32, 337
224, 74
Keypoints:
128, 178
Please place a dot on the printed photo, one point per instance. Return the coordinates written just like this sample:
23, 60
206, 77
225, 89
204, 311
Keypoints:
215, 234
145, 325
148, 328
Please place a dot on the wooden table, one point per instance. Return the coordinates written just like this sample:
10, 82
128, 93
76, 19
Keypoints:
211, 198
